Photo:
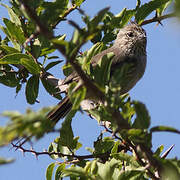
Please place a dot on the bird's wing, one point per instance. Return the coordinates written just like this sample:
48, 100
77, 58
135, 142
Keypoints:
74, 76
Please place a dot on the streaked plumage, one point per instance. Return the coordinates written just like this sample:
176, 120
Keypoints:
128, 48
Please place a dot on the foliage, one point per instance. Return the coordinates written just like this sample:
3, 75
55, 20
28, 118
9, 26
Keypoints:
25, 52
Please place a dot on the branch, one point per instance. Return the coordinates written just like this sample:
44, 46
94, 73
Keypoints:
41, 28
68, 11
158, 19
77, 157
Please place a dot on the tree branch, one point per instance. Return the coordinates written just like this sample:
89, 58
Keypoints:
68, 11
83, 157
158, 19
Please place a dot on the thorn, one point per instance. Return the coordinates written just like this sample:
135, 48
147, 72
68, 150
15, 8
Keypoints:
81, 53
164, 155
37, 101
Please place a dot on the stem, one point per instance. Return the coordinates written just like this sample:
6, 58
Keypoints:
158, 19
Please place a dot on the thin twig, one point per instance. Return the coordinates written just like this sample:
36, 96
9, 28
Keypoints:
68, 11
36, 153
158, 19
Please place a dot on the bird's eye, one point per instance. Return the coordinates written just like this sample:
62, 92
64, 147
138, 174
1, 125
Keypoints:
130, 34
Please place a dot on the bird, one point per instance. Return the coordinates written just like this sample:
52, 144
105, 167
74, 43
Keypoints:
129, 47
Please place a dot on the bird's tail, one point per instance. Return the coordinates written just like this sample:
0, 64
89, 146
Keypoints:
60, 111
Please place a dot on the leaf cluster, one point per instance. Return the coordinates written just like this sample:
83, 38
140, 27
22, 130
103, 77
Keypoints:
26, 57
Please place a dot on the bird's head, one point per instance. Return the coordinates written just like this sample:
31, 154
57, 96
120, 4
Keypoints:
131, 38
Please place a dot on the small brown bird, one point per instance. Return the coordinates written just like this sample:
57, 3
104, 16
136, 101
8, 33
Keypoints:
128, 48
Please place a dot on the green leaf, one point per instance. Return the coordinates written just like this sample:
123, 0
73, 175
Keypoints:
102, 72
5, 31
8, 77
95, 49
6, 136
59, 171
14, 58
139, 136
66, 132
169, 170
125, 17
115, 147
62, 149
8, 49
54, 57
147, 9
15, 32
49, 171
13, 16
18, 88
5, 161
159, 150
52, 64
142, 120
177, 8
67, 69
53, 10
124, 157
77, 97
8, 38
77, 2
76, 171
53, 148
94, 167
25, 125
138, 3
118, 21
35, 51
50, 87
164, 128
131, 175
30, 65
32, 88
161, 9
106, 171
98, 18
46, 51
102, 146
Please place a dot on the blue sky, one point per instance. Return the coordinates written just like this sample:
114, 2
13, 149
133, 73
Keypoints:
159, 89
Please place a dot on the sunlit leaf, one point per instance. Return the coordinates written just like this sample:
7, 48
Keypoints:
164, 128
8, 49
15, 32
14, 58
169, 170
13, 16
75, 171
30, 65
49, 171
147, 8
161, 9
5, 161
102, 146
77, 2
59, 171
